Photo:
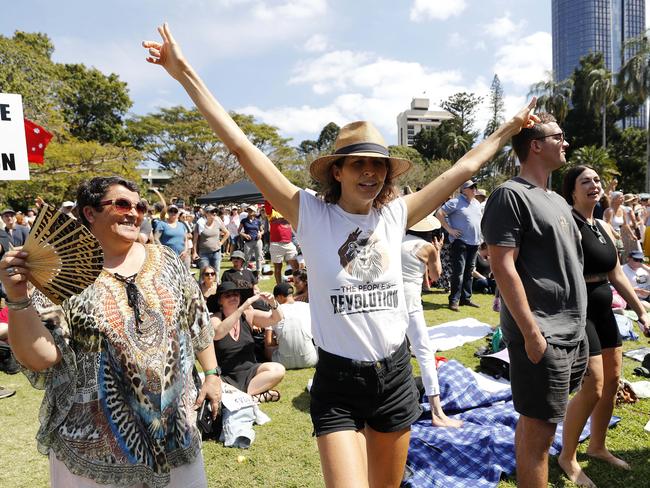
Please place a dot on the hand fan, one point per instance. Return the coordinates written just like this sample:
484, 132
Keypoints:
64, 257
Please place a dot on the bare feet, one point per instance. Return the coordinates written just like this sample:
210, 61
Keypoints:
441, 420
608, 457
575, 473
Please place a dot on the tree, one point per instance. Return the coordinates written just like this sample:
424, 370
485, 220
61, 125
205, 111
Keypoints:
634, 81
496, 107
601, 94
94, 105
173, 136
629, 152
553, 97
583, 125
66, 166
463, 108
596, 157
327, 137
26, 68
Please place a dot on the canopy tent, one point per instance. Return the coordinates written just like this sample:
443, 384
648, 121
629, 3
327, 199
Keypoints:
243, 192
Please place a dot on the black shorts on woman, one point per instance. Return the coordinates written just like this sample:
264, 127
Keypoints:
349, 395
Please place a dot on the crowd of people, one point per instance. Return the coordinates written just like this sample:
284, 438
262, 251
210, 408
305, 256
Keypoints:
117, 362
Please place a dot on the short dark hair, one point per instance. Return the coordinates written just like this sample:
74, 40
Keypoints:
569, 181
91, 192
521, 142
301, 274
332, 188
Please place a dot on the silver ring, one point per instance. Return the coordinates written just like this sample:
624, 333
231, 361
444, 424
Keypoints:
11, 271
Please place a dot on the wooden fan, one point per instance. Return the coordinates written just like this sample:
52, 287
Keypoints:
64, 257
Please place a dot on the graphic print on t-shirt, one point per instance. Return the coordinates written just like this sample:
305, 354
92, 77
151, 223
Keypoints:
365, 258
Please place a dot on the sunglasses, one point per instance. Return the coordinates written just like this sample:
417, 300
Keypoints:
637, 260
209, 273
124, 205
559, 137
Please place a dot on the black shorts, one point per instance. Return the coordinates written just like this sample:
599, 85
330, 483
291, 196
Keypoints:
541, 391
348, 394
602, 329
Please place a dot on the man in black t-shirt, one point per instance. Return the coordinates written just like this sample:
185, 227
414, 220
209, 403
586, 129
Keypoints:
240, 276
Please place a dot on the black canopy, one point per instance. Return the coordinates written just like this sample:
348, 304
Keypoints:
243, 191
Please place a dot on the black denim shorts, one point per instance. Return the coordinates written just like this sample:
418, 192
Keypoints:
348, 394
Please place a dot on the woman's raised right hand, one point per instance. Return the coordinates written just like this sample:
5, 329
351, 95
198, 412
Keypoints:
167, 54
14, 274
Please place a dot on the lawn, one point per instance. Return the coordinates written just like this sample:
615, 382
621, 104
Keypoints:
284, 453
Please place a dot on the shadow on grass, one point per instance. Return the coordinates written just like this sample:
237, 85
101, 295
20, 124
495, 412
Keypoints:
433, 306
301, 402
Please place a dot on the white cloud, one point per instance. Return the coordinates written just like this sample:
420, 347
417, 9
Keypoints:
361, 86
525, 61
457, 41
316, 44
502, 27
436, 9
290, 9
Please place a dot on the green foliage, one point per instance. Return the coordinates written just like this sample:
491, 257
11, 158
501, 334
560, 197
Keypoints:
94, 104
629, 152
26, 68
463, 107
583, 125
496, 107
67, 165
327, 137
553, 97
422, 171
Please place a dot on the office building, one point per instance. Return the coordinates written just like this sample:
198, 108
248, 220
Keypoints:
419, 117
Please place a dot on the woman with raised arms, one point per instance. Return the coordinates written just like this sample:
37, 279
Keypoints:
363, 398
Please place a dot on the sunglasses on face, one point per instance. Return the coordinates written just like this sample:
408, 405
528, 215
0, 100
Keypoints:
637, 260
124, 205
230, 294
559, 137
209, 273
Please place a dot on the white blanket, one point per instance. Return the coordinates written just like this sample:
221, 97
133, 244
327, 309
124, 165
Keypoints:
454, 334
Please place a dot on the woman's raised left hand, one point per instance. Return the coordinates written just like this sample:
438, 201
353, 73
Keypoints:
167, 54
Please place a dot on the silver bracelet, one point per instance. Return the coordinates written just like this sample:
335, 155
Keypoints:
19, 304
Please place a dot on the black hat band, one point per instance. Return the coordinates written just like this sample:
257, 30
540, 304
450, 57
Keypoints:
363, 147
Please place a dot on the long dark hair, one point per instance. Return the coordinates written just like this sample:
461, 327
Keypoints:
569, 182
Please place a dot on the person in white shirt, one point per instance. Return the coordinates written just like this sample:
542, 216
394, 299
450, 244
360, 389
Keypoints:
289, 342
363, 398
638, 274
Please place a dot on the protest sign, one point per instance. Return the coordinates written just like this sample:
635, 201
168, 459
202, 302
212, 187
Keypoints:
13, 147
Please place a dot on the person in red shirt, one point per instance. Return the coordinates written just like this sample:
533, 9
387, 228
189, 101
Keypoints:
281, 248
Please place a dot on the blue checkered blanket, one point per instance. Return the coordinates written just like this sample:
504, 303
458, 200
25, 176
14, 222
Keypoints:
478, 453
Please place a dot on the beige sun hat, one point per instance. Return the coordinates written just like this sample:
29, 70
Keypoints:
357, 139
427, 224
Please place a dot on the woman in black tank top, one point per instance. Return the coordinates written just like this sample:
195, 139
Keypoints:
582, 189
234, 345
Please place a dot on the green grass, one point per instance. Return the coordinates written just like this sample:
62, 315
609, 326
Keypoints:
284, 453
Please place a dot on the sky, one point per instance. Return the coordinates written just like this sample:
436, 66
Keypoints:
300, 64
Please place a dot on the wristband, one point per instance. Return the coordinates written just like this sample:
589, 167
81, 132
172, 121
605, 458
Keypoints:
19, 304
215, 371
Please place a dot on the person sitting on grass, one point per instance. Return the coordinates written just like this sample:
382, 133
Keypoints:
289, 342
208, 281
242, 277
234, 345
301, 285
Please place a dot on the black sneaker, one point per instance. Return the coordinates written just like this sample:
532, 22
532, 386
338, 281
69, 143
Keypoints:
5, 392
470, 304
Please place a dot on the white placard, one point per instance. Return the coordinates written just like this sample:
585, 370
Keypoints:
13, 148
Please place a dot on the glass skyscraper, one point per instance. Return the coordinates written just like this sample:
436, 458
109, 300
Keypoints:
584, 26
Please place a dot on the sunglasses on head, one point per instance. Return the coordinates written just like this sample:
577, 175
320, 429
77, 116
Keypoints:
124, 205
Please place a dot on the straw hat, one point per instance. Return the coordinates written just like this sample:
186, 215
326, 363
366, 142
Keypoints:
357, 139
628, 197
427, 224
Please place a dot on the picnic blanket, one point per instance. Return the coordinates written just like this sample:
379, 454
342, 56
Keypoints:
479, 452
449, 335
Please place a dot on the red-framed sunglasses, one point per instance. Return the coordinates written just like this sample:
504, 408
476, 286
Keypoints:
124, 205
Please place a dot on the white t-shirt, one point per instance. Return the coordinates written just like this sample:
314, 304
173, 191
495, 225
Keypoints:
356, 293
413, 269
638, 279
295, 346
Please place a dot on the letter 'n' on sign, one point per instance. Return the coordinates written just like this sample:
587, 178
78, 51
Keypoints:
13, 147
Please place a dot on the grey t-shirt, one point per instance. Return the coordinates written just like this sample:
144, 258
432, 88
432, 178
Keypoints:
539, 222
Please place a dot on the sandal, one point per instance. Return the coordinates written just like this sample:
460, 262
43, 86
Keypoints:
267, 396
